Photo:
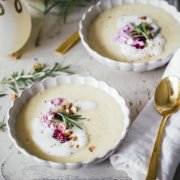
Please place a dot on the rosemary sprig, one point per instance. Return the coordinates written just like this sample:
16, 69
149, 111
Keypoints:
70, 120
144, 30
3, 125
18, 81
64, 6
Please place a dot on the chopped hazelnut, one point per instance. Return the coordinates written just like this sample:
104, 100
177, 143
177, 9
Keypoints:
37, 66
67, 111
69, 108
68, 133
143, 17
62, 108
77, 146
74, 138
13, 97
73, 110
68, 105
92, 148
16, 55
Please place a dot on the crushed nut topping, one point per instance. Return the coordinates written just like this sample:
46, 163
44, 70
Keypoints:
38, 66
74, 138
69, 108
13, 97
68, 133
92, 148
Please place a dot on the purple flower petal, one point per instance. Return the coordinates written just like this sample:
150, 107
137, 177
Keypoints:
57, 102
124, 36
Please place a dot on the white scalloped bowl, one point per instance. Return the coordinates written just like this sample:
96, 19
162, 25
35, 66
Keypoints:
50, 82
97, 9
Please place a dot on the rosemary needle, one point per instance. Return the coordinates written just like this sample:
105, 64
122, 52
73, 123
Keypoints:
144, 30
3, 125
63, 5
20, 80
1, 95
70, 120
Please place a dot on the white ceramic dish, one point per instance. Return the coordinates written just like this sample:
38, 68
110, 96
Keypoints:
50, 82
95, 10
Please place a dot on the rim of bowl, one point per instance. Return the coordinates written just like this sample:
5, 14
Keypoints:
114, 64
88, 80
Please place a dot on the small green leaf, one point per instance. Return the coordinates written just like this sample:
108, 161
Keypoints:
3, 125
71, 120
143, 25
46, 2
64, 6
2, 95
144, 30
21, 80
157, 32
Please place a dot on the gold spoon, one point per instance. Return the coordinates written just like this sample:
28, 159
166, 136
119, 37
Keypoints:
167, 102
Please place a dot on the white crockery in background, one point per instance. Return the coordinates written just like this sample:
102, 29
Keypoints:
15, 26
63, 79
95, 10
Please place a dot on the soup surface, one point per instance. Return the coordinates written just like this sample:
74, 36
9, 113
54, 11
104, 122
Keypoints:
102, 125
103, 30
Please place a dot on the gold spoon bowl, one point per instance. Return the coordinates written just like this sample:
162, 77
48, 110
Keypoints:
167, 102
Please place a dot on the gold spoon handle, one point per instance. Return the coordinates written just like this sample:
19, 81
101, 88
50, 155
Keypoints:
66, 45
154, 160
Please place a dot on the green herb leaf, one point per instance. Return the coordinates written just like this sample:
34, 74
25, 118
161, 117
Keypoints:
144, 30
141, 30
157, 32
3, 125
45, 2
18, 81
70, 120
2, 95
64, 6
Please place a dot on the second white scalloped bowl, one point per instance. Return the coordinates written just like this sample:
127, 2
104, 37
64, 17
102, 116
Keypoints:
95, 10
62, 79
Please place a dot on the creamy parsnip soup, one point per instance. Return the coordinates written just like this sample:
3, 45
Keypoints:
70, 123
134, 33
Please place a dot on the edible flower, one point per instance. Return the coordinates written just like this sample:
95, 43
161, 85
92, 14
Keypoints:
57, 102
137, 36
61, 119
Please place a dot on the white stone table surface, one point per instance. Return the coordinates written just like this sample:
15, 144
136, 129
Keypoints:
136, 88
